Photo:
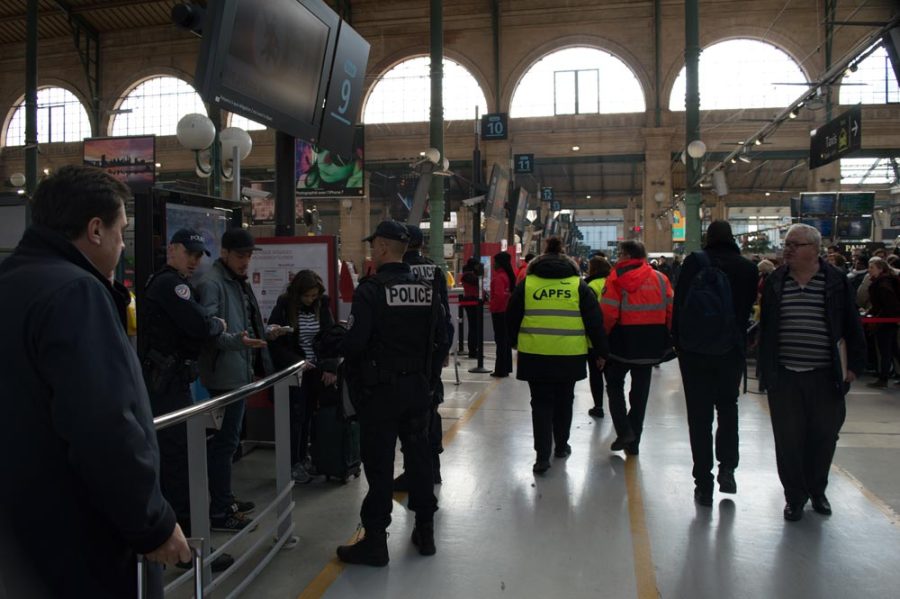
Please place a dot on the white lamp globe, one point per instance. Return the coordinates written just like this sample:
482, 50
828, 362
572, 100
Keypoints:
17, 179
433, 155
195, 131
696, 149
235, 136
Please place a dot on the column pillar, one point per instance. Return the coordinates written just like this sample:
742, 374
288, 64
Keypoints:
657, 198
355, 223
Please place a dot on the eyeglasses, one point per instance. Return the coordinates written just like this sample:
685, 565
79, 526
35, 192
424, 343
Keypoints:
790, 245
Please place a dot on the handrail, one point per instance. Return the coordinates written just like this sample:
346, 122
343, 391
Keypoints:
182, 415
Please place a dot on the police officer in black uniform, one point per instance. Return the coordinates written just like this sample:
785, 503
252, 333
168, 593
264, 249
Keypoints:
426, 270
395, 324
173, 329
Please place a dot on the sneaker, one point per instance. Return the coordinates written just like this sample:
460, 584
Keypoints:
244, 507
299, 474
564, 451
541, 466
220, 564
371, 550
231, 522
596, 412
423, 538
401, 484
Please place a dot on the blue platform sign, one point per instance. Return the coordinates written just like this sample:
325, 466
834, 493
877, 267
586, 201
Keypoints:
524, 163
494, 126
546, 194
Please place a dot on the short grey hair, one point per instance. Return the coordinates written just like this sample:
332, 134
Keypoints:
811, 234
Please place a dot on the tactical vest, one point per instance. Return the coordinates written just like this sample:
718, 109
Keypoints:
552, 325
404, 314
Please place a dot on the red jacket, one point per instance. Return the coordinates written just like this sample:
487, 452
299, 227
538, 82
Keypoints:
500, 291
637, 313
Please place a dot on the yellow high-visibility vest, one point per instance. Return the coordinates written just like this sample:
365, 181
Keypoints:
598, 285
552, 325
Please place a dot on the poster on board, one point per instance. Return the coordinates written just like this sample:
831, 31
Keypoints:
278, 259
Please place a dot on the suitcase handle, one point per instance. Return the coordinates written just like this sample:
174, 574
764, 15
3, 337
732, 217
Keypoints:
196, 546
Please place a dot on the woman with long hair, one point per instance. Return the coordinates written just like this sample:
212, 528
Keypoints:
305, 308
503, 281
598, 270
884, 294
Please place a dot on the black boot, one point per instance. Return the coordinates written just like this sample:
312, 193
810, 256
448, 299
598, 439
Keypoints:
423, 538
370, 551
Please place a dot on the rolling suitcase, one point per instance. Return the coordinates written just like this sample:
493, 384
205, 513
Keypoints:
335, 437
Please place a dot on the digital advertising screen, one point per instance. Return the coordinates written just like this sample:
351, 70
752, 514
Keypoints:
321, 173
854, 227
131, 160
856, 203
817, 204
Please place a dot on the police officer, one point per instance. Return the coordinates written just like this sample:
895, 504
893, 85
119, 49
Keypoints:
395, 323
426, 270
174, 328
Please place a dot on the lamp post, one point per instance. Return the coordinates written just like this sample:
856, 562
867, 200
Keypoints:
197, 133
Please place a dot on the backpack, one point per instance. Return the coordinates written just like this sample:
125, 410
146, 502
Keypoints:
706, 322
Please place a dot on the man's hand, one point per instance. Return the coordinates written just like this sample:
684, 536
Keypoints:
329, 378
175, 549
251, 342
851, 376
600, 362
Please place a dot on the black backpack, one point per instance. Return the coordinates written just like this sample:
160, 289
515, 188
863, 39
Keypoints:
706, 322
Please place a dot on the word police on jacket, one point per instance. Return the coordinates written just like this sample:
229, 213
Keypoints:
408, 295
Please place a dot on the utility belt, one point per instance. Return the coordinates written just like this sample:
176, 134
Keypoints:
384, 371
161, 370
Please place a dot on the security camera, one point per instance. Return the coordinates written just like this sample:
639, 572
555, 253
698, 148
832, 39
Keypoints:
255, 193
474, 201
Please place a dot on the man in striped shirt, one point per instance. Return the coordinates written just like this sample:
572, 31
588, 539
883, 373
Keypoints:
811, 347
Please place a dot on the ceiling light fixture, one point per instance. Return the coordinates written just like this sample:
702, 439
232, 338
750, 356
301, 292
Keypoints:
576, 148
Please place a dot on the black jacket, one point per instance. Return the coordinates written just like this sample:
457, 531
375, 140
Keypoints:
534, 367
286, 349
78, 454
742, 275
842, 320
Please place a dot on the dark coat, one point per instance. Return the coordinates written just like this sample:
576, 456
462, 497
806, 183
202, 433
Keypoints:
286, 350
79, 459
742, 275
842, 320
884, 295
534, 367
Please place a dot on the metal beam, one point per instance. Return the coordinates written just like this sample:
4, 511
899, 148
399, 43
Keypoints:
787, 175
87, 44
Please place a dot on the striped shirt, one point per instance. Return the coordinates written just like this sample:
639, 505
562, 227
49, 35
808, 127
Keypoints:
307, 329
803, 340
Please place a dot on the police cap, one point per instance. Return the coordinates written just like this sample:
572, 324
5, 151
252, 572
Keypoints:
390, 229
415, 236
191, 240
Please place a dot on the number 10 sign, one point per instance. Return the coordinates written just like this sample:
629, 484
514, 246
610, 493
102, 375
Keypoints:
493, 126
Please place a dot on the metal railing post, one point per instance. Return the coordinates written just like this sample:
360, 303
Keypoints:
199, 485
283, 451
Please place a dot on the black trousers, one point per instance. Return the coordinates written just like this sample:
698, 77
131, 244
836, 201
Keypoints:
388, 412
632, 419
503, 363
595, 377
173, 460
472, 313
303, 401
712, 384
886, 336
807, 414
551, 415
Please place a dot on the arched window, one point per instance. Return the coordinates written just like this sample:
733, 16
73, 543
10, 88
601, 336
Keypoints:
60, 117
244, 123
869, 171
742, 74
403, 94
577, 81
155, 106
873, 81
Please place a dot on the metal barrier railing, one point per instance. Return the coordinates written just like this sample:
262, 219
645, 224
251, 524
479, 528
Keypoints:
195, 417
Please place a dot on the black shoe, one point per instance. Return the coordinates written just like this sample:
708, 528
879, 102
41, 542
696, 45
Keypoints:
541, 466
621, 442
563, 452
244, 507
596, 412
821, 505
231, 521
632, 448
423, 538
401, 484
371, 550
726, 480
704, 498
793, 512
499, 375
220, 564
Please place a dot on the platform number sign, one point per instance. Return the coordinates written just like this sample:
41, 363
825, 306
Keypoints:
546, 194
344, 94
494, 126
524, 163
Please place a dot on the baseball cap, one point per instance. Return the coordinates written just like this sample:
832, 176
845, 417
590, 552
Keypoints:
191, 240
390, 229
416, 238
238, 239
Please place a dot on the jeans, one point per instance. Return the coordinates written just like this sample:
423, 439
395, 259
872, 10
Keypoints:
220, 454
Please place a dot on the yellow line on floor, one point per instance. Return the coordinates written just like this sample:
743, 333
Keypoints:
333, 569
644, 572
